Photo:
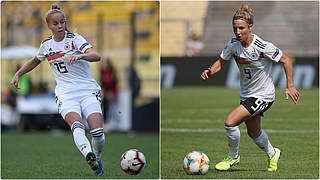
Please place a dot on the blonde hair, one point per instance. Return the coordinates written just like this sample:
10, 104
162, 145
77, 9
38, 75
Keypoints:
244, 13
54, 9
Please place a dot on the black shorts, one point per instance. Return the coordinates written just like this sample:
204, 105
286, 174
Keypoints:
256, 106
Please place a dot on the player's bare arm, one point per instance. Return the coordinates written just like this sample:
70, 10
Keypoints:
216, 67
290, 90
28, 66
90, 55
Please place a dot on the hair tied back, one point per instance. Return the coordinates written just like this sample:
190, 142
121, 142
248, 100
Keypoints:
245, 8
244, 13
55, 6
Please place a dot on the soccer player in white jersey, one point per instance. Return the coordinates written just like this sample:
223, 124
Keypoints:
76, 92
254, 58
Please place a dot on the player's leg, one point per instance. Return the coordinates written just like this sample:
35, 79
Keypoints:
91, 109
96, 130
69, 108
233, 135
98, 138
261, 139
232, 129
259, 136
78, 130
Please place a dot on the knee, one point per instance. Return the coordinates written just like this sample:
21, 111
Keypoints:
95, 116
229, 122
72, 117
95, 120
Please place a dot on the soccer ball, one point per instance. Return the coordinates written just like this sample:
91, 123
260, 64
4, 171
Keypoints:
196, 163
132, 161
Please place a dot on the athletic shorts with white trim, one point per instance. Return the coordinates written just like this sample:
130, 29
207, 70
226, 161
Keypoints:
256, 106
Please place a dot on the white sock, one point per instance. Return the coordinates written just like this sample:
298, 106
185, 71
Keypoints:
98, 141
80, 139
263, 142
233, 135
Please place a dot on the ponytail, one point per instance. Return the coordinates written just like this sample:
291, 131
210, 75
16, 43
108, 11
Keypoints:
244, 13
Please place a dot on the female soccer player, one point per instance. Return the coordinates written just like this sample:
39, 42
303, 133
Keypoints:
254, 58
76, 92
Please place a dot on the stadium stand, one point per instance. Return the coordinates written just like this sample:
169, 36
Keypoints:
106, 25
178, 21
292, 26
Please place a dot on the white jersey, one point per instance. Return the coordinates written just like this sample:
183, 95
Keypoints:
255, 64
69, 78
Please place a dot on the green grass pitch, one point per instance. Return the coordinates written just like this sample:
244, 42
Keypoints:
193, 119
46, 155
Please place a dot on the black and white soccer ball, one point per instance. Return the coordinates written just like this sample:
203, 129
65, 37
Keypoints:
132, 161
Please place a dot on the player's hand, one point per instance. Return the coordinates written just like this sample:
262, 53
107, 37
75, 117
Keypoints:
206, 74
14, 82
74, 59
293, 93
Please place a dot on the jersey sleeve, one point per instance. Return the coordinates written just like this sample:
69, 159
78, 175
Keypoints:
226, 53
41, 53
272, 52
81, 44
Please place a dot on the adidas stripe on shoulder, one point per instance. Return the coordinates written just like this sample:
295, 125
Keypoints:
260, 44
46, 39
70, 35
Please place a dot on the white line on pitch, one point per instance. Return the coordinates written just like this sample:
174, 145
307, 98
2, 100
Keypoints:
223, 130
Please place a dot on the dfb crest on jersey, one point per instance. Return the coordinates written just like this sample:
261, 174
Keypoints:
67, 46
254, 55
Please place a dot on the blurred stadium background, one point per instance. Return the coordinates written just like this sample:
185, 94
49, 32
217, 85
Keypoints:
291, 26
285, 24
127, 33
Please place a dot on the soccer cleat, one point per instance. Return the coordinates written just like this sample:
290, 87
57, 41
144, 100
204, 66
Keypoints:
92, 161
273, 162
99, 171
226, 163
